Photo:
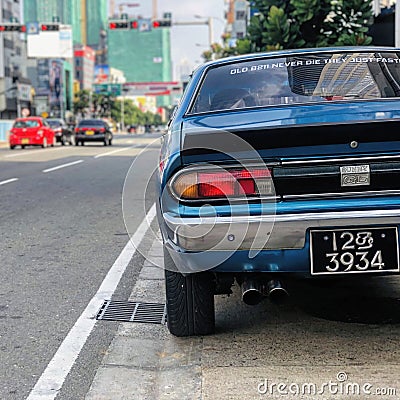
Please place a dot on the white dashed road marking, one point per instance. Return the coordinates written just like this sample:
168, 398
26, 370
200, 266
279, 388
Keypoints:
8, 181
62, 166
114, 151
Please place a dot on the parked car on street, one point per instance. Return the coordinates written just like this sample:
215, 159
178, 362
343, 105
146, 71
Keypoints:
64, 134
93, 130
279, 166
31, 131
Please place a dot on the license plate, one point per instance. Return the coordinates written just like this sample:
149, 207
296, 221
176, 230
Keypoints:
350, 251
24, 141
89, 133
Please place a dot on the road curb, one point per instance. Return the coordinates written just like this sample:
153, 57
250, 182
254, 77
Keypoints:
144, 361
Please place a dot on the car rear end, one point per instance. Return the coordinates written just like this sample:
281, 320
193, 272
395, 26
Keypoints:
57, 127
91, 130
304, 182
279, 167
26, 132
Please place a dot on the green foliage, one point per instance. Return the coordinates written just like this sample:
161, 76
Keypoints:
133, 115
101, 106
349, 21
287, 24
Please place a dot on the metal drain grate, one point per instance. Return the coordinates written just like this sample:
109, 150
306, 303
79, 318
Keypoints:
130, 311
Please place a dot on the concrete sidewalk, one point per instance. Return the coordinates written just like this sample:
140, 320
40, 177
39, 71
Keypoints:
144, 361
255, 351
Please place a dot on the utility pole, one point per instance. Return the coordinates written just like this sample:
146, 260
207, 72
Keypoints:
397, 24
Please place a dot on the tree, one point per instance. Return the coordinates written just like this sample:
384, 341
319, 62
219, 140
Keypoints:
350, 21
133, 115
289, 24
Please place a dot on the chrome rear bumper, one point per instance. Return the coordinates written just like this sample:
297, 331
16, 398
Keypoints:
266, 232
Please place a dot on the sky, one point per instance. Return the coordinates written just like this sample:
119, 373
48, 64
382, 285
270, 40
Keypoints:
188, 42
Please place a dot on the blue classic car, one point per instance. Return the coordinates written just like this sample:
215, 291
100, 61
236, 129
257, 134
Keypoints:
279, 166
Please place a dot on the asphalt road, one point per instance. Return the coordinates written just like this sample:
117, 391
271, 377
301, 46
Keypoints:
62, 228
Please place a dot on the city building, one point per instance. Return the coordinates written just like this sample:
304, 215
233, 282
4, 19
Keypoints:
87, 17
146, 57
237, 18
84, 61
15, 87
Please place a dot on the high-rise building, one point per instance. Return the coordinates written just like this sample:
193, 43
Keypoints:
96, 17
87, 17
84, 59
145, 57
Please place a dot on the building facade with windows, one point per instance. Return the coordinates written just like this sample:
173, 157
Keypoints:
84, 61
146, 59
15, 87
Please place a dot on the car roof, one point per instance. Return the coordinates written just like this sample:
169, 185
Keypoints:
291, 52
91, 120
29, 119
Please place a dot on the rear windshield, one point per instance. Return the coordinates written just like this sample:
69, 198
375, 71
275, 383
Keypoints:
91, 122
54, 123
299, 79
26, 124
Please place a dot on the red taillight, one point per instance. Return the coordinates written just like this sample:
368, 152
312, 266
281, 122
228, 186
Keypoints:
102, 130
223, 183
76, 129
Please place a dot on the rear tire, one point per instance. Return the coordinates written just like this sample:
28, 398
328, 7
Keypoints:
12, 147
190, 301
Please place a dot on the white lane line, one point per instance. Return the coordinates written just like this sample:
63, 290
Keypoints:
24, 153
114, 151
8, 181
53, 377
62, 166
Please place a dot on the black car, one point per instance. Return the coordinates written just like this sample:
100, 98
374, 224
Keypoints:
63, 133
93, 130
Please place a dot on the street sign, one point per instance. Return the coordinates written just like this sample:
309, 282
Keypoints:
112, 89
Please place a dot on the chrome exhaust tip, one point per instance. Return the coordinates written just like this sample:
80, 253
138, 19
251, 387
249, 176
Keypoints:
252, 292
276, 292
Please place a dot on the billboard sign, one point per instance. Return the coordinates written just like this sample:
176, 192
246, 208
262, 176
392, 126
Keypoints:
101, 73
56, 84
50, 44
113, 89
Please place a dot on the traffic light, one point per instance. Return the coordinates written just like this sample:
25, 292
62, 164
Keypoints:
134, 24
121, 24
161, 23
12, 27
49, 27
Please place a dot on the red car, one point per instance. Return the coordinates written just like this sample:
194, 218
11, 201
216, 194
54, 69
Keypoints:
31, 131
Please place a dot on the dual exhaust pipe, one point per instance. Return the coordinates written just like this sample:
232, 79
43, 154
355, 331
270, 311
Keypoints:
253, 291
